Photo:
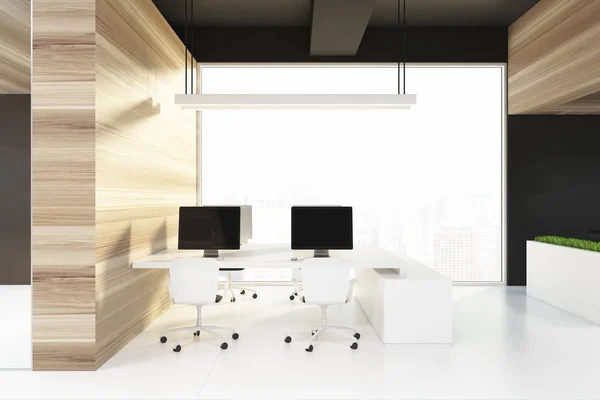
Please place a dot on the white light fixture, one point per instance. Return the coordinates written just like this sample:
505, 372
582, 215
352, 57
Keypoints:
199, 102
294, 101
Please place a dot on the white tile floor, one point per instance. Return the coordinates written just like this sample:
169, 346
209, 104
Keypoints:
15, 326
506, 346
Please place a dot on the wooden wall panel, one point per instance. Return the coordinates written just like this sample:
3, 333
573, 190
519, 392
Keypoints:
588, 105
553, 55
113, 158
15, 46
145, 164
63, 185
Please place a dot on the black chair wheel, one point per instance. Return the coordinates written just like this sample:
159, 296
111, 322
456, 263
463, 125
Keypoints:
235, 336
288, 339
292, 297
232, 300
163, 339
313, 332
177, 349
295, 293
354, 346
242, 292
254, 296
224, 345
357, 335
197, 333
309, 348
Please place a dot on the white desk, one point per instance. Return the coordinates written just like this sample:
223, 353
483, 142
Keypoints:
405, 301
276, 256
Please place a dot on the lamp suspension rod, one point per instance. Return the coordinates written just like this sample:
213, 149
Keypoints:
185, 44
192, 52
398, 47
404, 47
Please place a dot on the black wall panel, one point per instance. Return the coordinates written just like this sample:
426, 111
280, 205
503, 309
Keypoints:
553, 182
15, 189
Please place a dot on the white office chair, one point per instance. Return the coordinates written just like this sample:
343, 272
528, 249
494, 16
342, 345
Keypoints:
325, 283
230, 286
194, 282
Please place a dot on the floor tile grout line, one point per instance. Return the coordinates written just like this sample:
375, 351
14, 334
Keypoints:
208, 376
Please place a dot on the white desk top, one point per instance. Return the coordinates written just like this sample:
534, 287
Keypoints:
280, 256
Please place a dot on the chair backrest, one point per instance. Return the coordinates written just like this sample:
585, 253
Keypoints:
325, 281
194, 280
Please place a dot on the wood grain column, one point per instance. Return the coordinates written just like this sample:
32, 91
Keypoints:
63, 184
113, 159
145, 164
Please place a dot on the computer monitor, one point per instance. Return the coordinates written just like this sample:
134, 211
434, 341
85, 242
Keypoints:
322, 229
209, 228
245, 220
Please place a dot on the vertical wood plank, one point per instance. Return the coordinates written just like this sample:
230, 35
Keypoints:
63, 185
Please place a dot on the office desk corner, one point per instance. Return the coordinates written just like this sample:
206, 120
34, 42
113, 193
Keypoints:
413, 306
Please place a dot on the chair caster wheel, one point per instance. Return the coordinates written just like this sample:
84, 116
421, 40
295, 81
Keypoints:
224, 346
177, 349
309, 348
197, 333
357, 335
313, 332
232, 300
163, 339
254, 296
354, 346
235, 336
292, 297
242, 292
295, 293
288, 339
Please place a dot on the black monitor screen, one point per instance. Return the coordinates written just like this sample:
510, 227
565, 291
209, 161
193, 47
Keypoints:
322, 228
209, 228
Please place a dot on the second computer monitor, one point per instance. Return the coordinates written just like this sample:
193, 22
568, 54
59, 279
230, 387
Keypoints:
322, 229
209, 229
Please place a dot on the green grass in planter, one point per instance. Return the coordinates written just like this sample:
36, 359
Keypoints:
570, 242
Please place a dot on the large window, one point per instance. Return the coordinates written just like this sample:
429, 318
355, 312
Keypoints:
426, 182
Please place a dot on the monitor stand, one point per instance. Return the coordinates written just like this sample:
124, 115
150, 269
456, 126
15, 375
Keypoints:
211, 253
321, 254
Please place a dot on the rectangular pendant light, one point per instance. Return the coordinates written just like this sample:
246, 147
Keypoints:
201, 102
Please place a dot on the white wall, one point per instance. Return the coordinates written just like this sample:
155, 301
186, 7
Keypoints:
15, 327
426, 181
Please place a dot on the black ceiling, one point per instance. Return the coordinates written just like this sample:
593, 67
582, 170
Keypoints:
270, 13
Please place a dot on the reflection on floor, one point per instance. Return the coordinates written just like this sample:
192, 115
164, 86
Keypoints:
506, 346
15, 327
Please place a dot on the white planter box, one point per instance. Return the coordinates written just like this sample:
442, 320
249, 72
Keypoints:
566, 278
